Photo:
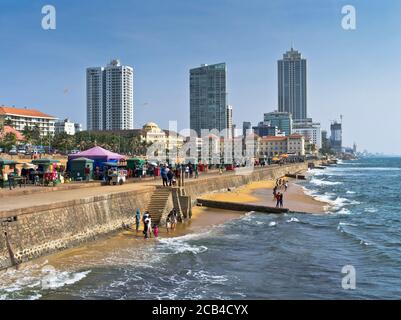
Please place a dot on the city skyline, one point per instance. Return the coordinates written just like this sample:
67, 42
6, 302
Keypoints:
47, 66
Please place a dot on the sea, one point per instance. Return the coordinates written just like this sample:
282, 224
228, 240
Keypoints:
352, 252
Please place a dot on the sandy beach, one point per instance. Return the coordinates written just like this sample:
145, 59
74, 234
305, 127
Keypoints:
261, 192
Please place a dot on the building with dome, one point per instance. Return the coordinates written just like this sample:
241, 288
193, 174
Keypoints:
152, 133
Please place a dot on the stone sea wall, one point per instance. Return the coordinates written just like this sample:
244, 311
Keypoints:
37, 231
33, 232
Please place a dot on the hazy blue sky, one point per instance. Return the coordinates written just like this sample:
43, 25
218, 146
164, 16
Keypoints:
354, 73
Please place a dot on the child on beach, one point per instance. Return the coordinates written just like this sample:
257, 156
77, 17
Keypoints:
156, 231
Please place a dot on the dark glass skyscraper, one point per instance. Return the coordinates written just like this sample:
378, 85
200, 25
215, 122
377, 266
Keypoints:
292, 85
208, 95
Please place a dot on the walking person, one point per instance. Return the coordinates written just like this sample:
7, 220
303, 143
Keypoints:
187, 172
146, 228
286, 186
278, 199
150, 227
137, 220
168, 222
170, 176
174, 220
163, 174
11, 180
281, 200
274, 192
87, 173
191, 170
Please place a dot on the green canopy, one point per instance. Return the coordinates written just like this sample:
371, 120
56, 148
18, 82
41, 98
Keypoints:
5, 162
44, 161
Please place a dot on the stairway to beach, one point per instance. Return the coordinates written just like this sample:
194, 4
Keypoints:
158, 203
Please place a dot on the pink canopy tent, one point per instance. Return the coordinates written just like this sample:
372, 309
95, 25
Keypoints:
97, 154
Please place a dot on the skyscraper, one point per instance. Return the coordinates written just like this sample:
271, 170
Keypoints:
246, 127
292, 93
336, 136
110, 104
229, 124
208, 107
95, 108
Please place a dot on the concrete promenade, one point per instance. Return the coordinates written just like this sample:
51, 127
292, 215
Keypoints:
20, 201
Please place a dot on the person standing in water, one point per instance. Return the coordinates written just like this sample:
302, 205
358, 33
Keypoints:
146, 228
156, 231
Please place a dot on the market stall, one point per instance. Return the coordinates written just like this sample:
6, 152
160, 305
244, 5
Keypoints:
47, 172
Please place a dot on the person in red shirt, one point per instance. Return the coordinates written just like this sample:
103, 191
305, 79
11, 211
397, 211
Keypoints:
87, 173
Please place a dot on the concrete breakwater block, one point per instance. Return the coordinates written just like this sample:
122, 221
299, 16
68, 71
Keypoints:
244, 207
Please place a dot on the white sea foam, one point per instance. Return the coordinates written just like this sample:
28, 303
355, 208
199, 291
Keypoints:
179, 245
319, 182
351, 192
292, 220
344, 211
347, 224
272, 224
370, 210
28, 282
60, 279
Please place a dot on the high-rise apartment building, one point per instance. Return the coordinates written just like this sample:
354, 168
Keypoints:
310, 130
336, 136
229, 126
281, 120
208, 98
110, 97
292, 86
246, 128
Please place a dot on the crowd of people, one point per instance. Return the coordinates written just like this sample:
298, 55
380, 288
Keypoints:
169, 174
150, 230
278, 192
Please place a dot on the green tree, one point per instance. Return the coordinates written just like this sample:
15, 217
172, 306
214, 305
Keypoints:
9, 140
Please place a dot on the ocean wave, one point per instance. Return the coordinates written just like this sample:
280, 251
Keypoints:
292, 220
347, 224
28, 282
350, 192
319, 182
353, 236
370, 210
369, 169
178, 245
272, 224
343, 211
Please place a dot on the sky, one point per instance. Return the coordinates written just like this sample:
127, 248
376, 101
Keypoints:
354, 73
